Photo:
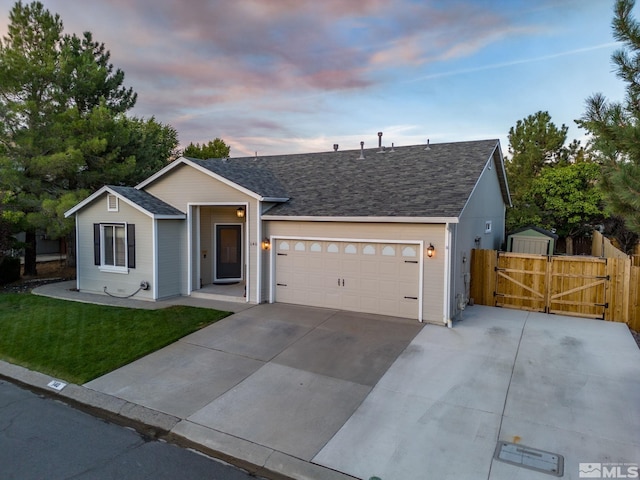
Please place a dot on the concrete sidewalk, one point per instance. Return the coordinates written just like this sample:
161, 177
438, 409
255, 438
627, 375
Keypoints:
313, 393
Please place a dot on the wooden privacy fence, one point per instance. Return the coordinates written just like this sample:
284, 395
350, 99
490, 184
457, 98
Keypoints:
591, 287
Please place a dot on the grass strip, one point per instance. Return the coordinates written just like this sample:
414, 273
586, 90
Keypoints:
78, 342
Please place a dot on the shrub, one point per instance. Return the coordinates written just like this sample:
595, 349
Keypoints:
9, 269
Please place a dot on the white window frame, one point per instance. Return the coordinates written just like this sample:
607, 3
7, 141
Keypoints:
103, 245
487, 226
111, 196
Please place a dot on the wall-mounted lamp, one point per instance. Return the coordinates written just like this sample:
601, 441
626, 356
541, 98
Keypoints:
266, 244
431, 250
240, 212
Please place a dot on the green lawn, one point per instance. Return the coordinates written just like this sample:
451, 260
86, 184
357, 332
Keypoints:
78, 342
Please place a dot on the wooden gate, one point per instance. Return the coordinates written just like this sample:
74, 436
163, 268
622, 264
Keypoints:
577, 286
521, 281
566, 285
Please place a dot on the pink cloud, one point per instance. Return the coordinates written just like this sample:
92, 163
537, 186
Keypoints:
208, 64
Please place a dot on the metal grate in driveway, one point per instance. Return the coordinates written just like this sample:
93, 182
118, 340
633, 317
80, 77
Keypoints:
531, 458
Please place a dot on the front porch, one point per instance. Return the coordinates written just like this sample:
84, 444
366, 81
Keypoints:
227, 292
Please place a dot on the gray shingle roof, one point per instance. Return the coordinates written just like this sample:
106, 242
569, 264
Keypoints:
409, 182
252, 175
145, 200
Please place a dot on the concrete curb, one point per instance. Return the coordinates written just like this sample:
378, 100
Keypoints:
255, 459
149, 422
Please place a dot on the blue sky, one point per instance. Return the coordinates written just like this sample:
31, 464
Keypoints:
285, 76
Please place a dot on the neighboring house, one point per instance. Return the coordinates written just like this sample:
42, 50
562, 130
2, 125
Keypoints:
46, 245
532, 240
385, 231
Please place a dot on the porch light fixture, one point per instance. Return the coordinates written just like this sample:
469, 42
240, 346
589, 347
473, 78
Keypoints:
240, 212
266, 244
431, 250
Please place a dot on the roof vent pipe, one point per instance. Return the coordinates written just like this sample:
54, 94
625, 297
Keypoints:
335, 147
361, 151
428, 147
392, 147
380, 140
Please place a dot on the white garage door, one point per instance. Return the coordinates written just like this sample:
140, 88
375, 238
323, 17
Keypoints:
380, 278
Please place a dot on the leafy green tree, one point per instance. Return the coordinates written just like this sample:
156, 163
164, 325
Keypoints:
615, 126
535, 143
565, 198
214, 149
153, 144
63, 129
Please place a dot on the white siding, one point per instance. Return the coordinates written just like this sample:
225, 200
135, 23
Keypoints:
90, 278
433, 286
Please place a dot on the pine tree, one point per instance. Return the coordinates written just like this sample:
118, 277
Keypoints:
616, 125
63, 129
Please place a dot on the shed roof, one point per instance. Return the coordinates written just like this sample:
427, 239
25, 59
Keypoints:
539, 230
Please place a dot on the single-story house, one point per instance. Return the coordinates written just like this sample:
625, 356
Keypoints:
381, 230
532, 239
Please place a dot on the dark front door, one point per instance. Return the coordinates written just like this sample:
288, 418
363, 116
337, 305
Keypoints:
228, 252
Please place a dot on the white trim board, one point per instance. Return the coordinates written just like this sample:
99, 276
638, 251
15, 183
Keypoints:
430, 220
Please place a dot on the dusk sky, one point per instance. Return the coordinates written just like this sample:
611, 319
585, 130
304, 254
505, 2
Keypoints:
287, 76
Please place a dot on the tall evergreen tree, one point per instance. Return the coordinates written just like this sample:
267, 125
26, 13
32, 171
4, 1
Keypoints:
63, 129
616, 125
534, 143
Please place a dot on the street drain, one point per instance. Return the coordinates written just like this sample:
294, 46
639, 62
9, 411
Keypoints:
531, 458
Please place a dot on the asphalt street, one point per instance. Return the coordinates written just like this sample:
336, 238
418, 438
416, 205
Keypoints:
41, 438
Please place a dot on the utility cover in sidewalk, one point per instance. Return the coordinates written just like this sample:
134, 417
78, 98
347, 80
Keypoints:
532, 458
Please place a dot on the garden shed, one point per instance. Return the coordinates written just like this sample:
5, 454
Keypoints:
532, 240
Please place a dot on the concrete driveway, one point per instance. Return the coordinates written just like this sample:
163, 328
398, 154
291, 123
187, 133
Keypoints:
280, 376
376, 396
563, 385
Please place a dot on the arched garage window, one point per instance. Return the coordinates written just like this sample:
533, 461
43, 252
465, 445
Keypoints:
350, 249
283, 246
389, 251
409, 252
369, 250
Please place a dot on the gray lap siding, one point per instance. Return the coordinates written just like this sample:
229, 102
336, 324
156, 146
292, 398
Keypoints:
90, 276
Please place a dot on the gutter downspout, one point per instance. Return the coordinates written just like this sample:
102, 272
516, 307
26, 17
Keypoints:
258, 253
446, 313
154, 255
77, 234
